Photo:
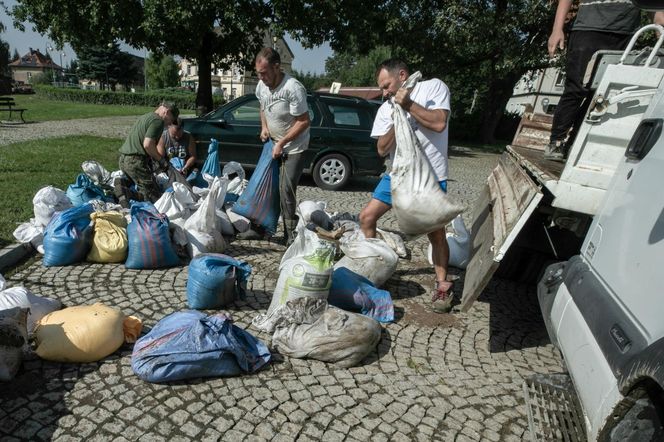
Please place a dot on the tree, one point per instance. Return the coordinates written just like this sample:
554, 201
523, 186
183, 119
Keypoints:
4, 58
106, 64
161, 71
479, 48
4, 54
352, 69
16, 56
207, 31
311, 82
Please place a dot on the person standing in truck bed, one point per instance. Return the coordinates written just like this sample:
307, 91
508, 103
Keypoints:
599, 24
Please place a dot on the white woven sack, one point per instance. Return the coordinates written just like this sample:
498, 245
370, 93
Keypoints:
47, 201
96, 172
368, 257
331, 335
201, 226
418, 202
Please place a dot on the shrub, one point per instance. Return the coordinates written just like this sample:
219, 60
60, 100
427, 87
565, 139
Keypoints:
183, 99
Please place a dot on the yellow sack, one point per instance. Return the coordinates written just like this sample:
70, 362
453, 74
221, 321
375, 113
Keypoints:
85, 333
109, 242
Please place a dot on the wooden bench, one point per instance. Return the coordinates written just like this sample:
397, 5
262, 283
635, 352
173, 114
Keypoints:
7, 104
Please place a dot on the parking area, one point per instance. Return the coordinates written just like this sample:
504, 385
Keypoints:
445, 377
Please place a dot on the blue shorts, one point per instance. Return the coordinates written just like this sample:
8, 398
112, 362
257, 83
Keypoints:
383, 193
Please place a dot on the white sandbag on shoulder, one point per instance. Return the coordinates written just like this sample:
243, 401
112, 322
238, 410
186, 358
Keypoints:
329, 335
418, 202
24, 298
47, 201
305, 271
13, 337
368, 257
459, 243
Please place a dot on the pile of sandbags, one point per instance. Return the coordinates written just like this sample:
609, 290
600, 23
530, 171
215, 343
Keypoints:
302, 323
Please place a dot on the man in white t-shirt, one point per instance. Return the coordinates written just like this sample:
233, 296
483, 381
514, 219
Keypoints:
428, 109
284, 119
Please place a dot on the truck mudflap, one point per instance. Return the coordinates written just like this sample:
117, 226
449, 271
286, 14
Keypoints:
554, 411
508, 199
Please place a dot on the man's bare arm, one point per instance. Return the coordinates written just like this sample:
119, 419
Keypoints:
386, 143
150, 146
300, 124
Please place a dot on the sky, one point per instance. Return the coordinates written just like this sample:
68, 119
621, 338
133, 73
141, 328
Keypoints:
306, 60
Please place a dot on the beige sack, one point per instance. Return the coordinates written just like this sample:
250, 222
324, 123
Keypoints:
84, 333
109, 243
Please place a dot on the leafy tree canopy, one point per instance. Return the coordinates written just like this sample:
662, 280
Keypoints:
162, 71
208, 31
106, 64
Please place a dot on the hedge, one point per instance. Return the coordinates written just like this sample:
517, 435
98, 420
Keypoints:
183, 100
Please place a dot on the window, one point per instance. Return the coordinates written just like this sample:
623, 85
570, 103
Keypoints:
347, 116
560, 79
248, 113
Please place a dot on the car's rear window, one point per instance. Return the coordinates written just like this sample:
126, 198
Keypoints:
351, 117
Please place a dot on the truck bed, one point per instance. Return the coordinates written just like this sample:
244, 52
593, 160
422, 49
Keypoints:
537, 164
528, 145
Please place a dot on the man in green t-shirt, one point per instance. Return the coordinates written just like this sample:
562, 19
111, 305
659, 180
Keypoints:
138, 153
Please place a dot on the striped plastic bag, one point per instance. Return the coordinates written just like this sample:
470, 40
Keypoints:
260, 200
149, 240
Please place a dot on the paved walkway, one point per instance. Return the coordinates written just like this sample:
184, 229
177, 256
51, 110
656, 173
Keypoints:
111, 127
432, 377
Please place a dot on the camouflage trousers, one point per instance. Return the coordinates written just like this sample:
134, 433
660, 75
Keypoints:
137, 170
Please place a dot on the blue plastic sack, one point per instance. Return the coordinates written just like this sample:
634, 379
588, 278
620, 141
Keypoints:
68, 236
85, 190
353, 292
215, 280
149, 239
210, 167
189, 344
260, 200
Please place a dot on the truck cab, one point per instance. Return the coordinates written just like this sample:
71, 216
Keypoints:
599, 219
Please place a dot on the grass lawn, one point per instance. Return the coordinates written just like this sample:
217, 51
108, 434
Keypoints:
42, 109
27, 167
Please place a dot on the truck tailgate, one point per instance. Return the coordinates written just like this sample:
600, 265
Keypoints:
508, 199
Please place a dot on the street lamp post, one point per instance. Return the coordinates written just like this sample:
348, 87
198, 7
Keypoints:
50, 48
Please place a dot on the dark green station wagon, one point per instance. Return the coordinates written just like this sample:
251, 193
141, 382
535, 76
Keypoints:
339, 147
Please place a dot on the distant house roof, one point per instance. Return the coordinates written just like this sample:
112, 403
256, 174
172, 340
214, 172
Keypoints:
368, 93
35, 59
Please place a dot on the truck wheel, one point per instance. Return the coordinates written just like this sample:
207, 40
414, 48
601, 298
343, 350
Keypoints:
332, 172
641, 421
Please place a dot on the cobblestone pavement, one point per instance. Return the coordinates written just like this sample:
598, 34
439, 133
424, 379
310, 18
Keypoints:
432, 377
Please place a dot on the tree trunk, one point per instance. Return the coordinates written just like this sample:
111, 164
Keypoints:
500, 91
204, 102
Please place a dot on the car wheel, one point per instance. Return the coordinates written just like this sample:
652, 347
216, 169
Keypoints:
332, 172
